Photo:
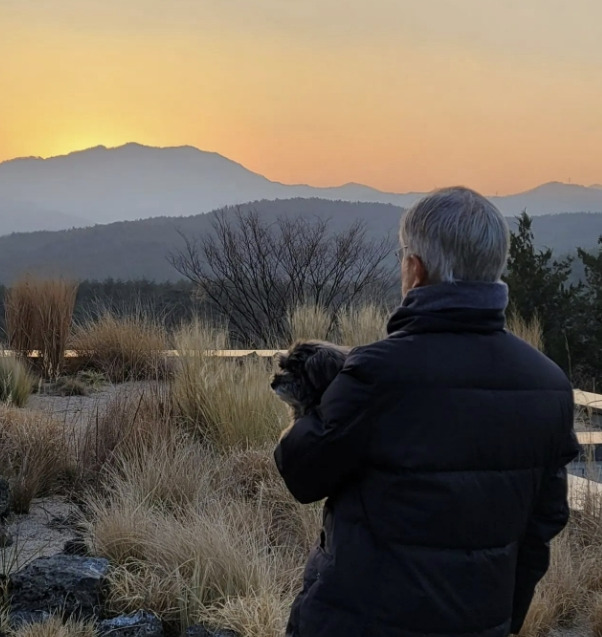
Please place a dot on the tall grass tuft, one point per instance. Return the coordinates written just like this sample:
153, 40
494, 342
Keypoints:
227, 403
251, 475
21, 315
55, 627
132, 419
530, 331
191, 544
595, 615
34, 455
261, 614
38, 317
16, 383
362, 325
123, 348
560, 596
308, 322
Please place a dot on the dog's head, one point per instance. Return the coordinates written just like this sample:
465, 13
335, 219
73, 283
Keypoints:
305, 372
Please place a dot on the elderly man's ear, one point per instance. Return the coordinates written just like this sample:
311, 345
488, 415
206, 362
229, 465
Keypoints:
413, 273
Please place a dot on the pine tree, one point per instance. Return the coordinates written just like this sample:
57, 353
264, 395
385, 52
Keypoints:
539, 286
592, 314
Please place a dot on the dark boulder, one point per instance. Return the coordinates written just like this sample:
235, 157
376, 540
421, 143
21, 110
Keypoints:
67, 584
20, 618
139, 624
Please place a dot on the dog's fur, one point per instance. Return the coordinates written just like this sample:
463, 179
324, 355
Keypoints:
305, 372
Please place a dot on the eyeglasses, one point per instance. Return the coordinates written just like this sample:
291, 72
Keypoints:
399, 252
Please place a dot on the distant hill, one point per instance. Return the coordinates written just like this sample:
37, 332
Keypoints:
104, 185
138, 249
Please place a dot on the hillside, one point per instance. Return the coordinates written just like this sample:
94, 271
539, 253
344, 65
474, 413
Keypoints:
104, 185
138, 249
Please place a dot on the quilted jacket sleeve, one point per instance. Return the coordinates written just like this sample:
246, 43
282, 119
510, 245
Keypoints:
549, 517
319, 452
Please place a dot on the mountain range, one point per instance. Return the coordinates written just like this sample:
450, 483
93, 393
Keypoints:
140, 249
105, 185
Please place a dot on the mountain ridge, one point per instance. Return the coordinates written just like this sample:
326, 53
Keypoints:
101, 185
139, 249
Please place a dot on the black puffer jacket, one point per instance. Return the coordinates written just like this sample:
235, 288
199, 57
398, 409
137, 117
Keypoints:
441, 450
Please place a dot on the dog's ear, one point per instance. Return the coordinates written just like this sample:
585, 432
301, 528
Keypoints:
323, 365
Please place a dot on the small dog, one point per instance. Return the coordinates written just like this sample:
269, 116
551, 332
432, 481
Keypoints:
306, 370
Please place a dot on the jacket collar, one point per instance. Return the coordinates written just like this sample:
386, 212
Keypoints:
463, 306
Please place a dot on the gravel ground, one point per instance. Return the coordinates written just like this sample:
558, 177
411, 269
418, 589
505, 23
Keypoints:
77, 411
40, 533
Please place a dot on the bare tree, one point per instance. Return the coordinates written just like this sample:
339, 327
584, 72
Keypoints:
255, 271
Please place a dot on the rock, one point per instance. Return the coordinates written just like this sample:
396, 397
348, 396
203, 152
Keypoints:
140, 624
65, 584
16, 620
5, 498
198, 630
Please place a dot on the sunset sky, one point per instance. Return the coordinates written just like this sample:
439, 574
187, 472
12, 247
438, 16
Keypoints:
500, 95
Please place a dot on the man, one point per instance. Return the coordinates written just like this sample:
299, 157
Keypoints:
441, 450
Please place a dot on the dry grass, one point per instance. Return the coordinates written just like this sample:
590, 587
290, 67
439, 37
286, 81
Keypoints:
570, 593
362, 325
226, 403
188, 505
179, 562
560, 596
129, 421
529, 331
595, 615
307, 322
261, 614
16, 383
211, 554
353, 325
55, 627
34, 455
123, 348
196, 535
21, 313
251, 475
38, 317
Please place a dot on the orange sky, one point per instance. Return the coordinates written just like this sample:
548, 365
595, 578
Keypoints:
398, 94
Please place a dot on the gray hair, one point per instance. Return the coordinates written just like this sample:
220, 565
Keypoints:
458, 234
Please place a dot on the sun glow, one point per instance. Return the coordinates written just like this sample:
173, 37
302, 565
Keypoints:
395, 94
64, 144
